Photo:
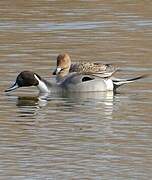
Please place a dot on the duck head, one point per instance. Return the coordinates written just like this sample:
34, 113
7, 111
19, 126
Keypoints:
63, 65
26, 79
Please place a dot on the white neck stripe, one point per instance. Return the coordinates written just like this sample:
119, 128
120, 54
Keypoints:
41, 85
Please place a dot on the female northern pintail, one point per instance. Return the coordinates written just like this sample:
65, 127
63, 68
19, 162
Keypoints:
64, 67
73, 82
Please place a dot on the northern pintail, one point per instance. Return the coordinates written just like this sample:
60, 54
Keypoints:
73, 82
64, 66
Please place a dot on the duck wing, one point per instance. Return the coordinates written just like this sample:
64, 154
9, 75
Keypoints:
97, 69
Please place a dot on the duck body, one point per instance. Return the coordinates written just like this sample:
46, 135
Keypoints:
64, 67
73, 82
85, 83
83, 76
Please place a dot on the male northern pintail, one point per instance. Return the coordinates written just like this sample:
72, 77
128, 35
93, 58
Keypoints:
64, 67
73, 82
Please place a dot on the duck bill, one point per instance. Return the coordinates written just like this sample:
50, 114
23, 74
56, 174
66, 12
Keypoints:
15, 86
57, 71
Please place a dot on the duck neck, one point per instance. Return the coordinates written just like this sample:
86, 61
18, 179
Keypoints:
42, 86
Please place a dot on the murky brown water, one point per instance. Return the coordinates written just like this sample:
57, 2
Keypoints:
76, 136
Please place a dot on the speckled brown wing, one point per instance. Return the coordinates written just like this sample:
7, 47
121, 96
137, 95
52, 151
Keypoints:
98, 69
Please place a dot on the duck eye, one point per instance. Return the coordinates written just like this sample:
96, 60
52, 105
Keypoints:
61, 69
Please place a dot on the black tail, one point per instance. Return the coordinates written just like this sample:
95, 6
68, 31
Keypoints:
119, 82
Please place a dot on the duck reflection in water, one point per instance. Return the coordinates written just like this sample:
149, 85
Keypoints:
29, 101
42, 99
67, 102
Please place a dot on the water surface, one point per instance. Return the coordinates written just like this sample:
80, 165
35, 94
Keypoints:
76, 136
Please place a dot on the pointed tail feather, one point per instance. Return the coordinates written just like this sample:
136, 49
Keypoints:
119, 82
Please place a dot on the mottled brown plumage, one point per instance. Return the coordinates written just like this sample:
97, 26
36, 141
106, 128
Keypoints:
64, 67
